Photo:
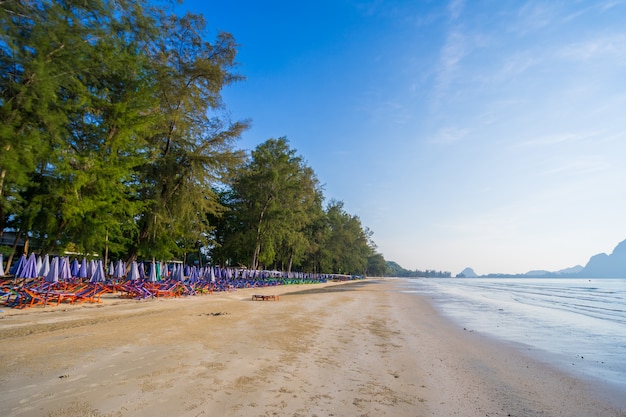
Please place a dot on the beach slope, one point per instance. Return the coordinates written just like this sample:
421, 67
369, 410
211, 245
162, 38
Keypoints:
360, 348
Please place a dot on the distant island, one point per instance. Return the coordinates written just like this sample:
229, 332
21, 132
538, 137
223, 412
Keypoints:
598, 266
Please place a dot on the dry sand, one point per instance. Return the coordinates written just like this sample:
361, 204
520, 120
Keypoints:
347, 349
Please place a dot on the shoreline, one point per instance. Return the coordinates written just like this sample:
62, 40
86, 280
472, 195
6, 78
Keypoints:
355, 348
572, 358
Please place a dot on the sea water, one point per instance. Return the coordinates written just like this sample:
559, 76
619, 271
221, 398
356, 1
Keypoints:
580, 324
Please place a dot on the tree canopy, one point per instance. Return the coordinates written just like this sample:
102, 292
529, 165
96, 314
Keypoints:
115, 141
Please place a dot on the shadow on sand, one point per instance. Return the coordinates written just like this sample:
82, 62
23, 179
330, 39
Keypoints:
350, 286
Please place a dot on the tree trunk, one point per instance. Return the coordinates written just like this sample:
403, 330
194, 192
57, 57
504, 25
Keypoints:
290, 262
13, 249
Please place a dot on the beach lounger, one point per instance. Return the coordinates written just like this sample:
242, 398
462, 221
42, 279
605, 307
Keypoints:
258, 297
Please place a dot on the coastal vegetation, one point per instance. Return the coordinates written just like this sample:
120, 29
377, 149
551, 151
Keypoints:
396, 270
116, 142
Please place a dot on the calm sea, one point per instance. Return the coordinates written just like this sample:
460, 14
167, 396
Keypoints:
580, 324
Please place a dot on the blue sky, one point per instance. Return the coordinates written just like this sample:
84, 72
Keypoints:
483, 134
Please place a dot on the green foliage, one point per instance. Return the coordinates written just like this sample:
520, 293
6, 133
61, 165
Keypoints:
110, 125
274, 198
377, 266
396, 270
114, 138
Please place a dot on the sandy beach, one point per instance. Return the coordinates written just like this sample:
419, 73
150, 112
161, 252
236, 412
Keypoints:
360, 348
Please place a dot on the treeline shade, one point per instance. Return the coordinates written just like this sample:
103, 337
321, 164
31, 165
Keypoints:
114, 140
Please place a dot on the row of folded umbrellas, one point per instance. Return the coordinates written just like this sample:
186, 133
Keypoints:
62, 269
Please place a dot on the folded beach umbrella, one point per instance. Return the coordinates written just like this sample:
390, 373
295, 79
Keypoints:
120, 270
98, 275
165, 274
19, 265
178, 273
74, 267
134, 272
82, 271
193, 274
152, 277
111, 269
38, 265
142, 271
91, 268
53, 271
44, 268
65, 273
1, 266
30, 268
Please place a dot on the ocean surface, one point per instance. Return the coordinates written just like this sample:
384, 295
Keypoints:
576, 324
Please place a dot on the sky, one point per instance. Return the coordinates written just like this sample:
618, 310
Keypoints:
485, 134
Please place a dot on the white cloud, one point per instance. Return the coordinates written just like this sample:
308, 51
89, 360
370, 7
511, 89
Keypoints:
455, 8
450, 135
534, 16
611, 46
558, 138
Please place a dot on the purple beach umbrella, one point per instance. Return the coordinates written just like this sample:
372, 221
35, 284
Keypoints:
91, 268
30, 268
98, 275
19, 266
152, 276
45, 266
65, 273
53, 271
120, 270
82, 271
193, 274
39, 265
134, 272
74, 267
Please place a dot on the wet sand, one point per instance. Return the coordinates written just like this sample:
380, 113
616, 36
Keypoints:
342, 349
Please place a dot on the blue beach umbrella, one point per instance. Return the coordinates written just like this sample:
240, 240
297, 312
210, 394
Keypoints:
30, 268
152, 276
17, 268
98, 275
65, 273
1, 266
177, 273
91, 268
53, 271
134, 272
120, 270
193, 274
74, 267
82, 271
45, 266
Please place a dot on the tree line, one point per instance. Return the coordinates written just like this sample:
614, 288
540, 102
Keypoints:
115, 141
